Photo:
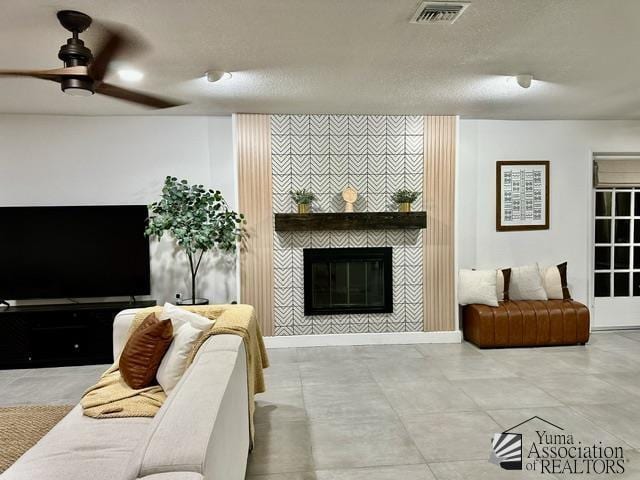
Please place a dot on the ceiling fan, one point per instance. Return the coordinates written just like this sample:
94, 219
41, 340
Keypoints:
83, 72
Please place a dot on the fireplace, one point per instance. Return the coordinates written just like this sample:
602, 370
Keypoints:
347, 280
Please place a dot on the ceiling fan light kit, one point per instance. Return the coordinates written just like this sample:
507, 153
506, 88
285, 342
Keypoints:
77, 87
83, 73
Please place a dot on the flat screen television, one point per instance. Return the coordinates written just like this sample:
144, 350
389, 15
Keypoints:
71, 252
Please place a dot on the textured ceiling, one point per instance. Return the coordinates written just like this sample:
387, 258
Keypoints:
346, 56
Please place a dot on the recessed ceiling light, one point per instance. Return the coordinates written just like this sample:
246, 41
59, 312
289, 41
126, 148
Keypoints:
524, 80
129, 75
217, 75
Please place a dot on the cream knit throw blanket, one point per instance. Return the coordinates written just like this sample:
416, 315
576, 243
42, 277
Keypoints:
111, 397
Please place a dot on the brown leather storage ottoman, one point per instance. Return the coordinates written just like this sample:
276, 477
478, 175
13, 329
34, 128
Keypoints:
526, 323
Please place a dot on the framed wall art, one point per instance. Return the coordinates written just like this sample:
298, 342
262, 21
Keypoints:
522, 195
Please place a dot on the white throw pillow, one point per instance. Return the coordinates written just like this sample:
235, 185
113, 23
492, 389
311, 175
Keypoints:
500, 285
477, 286
188, 327
174, 362
552, 281
526, 284
179, 316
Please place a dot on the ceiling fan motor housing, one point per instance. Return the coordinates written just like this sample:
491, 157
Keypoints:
74, 53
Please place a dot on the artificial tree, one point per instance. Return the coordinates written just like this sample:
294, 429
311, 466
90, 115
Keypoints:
198, 218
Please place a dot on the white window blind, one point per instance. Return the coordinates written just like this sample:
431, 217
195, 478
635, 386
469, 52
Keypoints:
616, 169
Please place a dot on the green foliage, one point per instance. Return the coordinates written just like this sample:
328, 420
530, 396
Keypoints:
198, 218
404, 196
302, 197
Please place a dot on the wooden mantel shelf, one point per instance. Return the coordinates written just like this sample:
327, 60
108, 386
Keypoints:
289, 222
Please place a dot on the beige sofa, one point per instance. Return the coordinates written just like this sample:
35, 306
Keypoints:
201, 432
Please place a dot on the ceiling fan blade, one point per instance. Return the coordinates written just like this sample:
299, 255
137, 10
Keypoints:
32, 74
110, 48
54, 74
136, 97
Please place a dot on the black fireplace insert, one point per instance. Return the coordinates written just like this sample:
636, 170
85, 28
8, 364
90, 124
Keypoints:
348, 280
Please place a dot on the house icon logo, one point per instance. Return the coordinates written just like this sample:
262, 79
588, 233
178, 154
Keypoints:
506, 450
506, 447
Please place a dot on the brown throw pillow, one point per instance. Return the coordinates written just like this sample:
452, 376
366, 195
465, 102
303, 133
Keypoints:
144, 351
562, 268
506, 274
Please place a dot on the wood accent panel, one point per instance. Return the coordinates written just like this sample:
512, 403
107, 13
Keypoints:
350, 221
439, 197
253, 156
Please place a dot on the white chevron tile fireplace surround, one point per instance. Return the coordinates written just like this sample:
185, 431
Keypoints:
377, 155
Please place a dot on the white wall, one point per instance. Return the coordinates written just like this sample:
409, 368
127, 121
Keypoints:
466, 189
66, 160
568, 145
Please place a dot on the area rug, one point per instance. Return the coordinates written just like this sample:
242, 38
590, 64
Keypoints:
22, 427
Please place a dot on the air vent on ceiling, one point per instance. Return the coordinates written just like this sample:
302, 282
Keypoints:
439, 12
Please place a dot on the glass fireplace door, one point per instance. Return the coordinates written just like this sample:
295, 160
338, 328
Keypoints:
347, 280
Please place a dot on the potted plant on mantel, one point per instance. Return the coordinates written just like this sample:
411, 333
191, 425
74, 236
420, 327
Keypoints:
199, 219
404, 199
303, 199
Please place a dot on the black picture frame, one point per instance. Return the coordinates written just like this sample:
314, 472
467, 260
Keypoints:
500, 195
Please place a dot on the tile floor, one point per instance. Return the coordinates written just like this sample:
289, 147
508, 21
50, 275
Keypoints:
412, 412
47, 386
424, 412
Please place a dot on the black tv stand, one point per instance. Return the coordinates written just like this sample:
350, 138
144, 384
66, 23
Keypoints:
59, 335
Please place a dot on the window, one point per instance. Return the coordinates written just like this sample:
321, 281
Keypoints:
616, 255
